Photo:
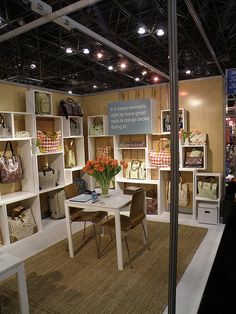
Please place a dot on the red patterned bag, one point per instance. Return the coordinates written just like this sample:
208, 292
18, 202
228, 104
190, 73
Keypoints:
153, 158
49, 141
163, 159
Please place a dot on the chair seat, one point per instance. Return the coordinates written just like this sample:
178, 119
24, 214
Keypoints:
82, 216
124, 221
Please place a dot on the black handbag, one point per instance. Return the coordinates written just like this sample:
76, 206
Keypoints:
68, 107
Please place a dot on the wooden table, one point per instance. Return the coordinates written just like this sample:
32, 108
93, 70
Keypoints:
115, 203
11, 265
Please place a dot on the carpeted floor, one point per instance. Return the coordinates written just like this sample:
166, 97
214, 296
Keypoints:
58, 284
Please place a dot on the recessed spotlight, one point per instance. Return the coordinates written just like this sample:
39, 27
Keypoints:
95, 86
69, 50
110, 68
137, 79
141, 30
33, 66
99, 55
160, 32
123, 65
70, 92
156, 79
86, 51
188, 72
144, 72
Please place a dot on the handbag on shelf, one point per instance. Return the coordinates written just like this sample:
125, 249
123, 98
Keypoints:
69, 156
49, 141
207, 188
136, 170
42, 103
198, 139
194, 159
68, 107
11, 169
151, 202
56, 201
74, 127
163, 159
47, 177
153, 158
4, 129
97, 127
184, 199
22, 226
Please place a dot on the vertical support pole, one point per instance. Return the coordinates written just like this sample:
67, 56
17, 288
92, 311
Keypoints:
174, 112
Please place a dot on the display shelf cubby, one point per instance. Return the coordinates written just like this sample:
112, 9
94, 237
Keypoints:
6, 209
186, 149
39, 99
165, 120
72, 127
7, 130
97, 125
214, 212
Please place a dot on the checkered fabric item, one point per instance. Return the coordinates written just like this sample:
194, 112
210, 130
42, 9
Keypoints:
103, 151
163, 159
49, 141
153, 158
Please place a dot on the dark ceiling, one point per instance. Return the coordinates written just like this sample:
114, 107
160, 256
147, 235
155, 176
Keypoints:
117, 21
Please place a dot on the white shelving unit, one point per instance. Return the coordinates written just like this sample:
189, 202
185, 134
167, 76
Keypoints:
29, 194
209, 214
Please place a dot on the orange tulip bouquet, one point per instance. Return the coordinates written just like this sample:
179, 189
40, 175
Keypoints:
104, 169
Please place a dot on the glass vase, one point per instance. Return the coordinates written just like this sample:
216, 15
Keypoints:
104, 189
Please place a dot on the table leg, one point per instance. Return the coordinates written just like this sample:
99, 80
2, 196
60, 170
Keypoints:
22, 288
69, 232
119, 241
145, 219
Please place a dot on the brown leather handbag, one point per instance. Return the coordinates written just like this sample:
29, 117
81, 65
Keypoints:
10, 167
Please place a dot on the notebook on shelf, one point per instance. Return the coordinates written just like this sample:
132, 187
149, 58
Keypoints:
81, 198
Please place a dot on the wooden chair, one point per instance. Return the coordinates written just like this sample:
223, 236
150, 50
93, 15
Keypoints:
80, 215
133, 220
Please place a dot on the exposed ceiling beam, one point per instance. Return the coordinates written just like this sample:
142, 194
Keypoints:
203, 34
108, 43
48, 18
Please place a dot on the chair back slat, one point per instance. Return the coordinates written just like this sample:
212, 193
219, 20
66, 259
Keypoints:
137, 208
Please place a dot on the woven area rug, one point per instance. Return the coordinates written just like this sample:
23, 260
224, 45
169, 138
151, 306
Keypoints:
59, 284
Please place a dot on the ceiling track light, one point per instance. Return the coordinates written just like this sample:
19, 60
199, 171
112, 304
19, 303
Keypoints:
69, 50
141, 30
123, 65
110, 67
144, 72
86, 51
188, 72
70, 92
99, 55
137, 79
160, 32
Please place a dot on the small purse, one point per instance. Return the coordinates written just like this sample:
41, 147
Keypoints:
183, 193
70, 156
47, 177
11, 169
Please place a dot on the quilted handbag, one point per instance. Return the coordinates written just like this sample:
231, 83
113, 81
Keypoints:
42, 103
49, 141
163, 159
136, 170
193, 162
11, 169
22, 226
153, 157
56, 201
47, 177
207, 189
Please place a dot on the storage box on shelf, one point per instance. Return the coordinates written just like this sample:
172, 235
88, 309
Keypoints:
39, 102
208, 204
165, 120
